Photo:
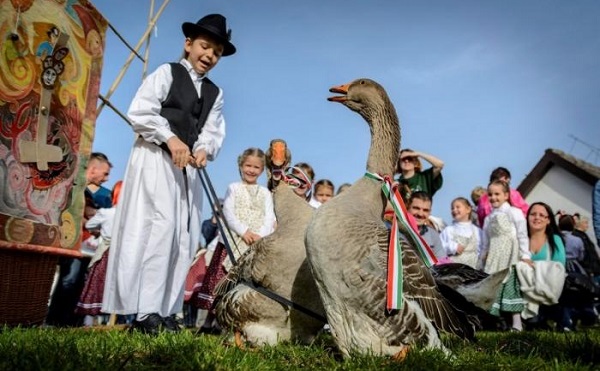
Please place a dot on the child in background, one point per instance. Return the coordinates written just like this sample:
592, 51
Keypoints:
248, 210
90, 301
342, 188
484, 207
505, 231
462, 240
305, 174
323, 192
476, 194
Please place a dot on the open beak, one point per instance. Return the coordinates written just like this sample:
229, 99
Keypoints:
342, 89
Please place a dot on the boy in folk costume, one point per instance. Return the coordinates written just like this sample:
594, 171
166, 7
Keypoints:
177, 114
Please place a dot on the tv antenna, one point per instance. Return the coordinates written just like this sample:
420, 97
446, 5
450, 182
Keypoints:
594, 152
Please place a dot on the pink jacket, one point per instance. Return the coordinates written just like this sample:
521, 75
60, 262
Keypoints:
484, 208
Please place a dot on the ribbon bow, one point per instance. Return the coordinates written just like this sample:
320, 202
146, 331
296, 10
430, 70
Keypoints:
401, 219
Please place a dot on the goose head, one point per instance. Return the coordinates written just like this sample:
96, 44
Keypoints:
370, 100
363, 96
278, 158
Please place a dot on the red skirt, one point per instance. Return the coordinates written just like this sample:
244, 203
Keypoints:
215, 272
195, 277
90, 301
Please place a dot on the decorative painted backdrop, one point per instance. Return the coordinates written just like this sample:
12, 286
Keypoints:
50, 62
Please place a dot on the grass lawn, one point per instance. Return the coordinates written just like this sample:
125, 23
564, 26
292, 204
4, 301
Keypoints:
82, 349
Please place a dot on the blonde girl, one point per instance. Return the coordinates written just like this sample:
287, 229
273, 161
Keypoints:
505, 229
462, 240
248, 210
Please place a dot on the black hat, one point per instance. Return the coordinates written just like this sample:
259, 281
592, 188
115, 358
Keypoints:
213, 25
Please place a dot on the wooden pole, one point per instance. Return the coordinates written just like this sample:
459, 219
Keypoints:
147, 52
131, 56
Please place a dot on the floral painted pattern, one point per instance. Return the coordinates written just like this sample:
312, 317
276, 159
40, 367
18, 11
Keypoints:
50, 65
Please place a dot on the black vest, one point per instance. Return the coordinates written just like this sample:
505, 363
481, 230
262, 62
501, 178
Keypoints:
183, 109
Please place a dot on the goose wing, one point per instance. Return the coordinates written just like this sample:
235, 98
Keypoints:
455, 274
418, 286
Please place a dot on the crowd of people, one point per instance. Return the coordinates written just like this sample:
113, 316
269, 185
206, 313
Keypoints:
145, 263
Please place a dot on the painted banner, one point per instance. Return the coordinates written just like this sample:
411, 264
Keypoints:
51, 55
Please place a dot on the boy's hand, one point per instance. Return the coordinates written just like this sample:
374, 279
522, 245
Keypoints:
180, 153
199, 160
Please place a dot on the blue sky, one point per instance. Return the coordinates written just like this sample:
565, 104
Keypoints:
477, 84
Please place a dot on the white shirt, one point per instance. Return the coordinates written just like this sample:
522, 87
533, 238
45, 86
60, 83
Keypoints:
144, 112
465, 229
103, 219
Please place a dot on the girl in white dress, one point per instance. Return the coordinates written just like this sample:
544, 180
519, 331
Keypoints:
248, 211
462, 240
505, 230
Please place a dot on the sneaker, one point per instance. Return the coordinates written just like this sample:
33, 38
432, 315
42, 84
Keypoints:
151, 325
171, 324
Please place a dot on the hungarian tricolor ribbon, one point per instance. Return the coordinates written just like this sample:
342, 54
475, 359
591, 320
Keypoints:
402, 219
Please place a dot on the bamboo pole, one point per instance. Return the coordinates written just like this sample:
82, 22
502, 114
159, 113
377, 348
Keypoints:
147, 51
131, 56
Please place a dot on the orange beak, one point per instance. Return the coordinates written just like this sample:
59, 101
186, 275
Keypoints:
342, 89
278, 153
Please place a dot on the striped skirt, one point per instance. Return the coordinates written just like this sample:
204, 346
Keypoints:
509, 297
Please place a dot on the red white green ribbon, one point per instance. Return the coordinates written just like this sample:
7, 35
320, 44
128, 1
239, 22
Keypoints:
402, 219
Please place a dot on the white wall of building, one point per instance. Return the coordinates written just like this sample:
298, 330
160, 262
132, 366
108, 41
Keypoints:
564, 191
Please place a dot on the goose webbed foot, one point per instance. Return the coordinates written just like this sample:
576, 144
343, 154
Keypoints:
401, 355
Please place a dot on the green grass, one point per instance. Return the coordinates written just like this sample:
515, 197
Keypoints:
80, 349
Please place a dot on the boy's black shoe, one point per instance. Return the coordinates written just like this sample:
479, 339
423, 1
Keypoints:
150, 325
170, 324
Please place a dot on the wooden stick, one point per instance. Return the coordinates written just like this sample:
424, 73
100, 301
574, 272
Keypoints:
131, 56
147, 51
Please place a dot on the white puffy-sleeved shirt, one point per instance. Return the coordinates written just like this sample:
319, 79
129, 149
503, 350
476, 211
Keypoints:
464, 229
516, 216
144, 112
103, 219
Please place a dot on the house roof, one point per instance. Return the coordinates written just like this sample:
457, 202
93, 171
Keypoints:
553, 157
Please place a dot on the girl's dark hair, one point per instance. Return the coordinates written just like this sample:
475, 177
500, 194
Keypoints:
324, 182
498, 173
551, 229
566, 223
